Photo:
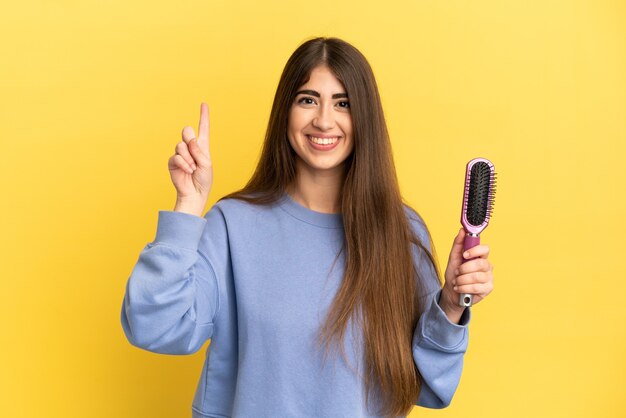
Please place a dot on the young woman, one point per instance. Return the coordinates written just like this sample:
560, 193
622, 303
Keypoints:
316, 285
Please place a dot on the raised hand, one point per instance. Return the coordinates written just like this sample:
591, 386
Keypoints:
190, 167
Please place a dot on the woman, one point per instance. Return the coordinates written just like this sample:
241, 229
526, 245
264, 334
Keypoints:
316, 255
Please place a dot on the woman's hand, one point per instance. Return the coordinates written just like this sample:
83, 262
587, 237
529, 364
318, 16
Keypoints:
190, 167
472, 274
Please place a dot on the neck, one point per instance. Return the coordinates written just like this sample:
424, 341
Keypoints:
318, 190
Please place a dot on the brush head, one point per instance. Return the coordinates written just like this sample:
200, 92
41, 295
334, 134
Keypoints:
478, 197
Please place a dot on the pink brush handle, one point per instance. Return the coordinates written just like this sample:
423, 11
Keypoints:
470, 242
465, 299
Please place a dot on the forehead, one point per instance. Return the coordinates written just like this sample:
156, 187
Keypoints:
323, 79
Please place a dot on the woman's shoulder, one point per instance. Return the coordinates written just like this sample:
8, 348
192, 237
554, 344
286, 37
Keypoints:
236, 204
240, 206
233, 215
412, 214
418, 225
415, 219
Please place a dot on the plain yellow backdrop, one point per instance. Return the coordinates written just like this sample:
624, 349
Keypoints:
94, 95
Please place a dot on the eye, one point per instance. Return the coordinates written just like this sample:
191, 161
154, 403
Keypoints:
306, 100
344, 104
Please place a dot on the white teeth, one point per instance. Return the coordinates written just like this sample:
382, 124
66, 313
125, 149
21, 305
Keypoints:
324, 141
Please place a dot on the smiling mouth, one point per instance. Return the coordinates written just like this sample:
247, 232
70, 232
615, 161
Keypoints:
323, 141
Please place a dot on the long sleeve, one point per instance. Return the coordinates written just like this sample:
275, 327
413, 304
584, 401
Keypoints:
438, 344
438, 350
172, 294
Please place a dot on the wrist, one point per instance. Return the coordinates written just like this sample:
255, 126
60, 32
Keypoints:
449, 305
193, 206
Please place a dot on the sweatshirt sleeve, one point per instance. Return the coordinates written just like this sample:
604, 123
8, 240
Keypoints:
438, 349
172, 293
438, 344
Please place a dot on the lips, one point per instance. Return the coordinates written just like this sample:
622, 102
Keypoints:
323, 143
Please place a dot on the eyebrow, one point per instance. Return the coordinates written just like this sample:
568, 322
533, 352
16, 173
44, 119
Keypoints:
316, 94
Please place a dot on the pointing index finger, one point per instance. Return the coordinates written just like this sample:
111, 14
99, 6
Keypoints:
203, 127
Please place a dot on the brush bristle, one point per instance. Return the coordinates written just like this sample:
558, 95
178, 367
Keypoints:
480, 193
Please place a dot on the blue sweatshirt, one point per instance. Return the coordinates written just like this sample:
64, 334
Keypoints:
258, 281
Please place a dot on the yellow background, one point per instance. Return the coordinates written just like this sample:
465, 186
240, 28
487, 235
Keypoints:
94, 96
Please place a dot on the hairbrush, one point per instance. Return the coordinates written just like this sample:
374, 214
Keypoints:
478, 196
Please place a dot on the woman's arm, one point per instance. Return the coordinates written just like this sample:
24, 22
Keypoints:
441, 336
172, 294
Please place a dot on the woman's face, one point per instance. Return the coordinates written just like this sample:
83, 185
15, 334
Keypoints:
320, 124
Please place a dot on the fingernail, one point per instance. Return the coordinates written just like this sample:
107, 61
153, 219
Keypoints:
466, 254
456, 288
454, 282
193, 166
456, 272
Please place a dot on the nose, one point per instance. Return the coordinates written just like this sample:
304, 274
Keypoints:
324, 119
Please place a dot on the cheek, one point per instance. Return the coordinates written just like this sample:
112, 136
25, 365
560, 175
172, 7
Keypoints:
296, 121
350, 149
347, 126
292, 132
347, 130
292, 142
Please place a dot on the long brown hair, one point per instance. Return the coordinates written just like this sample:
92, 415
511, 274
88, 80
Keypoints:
380, 289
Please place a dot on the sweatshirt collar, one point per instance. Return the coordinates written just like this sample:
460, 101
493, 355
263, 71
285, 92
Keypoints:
324, 220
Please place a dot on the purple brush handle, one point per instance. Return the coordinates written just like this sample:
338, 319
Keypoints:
470, 241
